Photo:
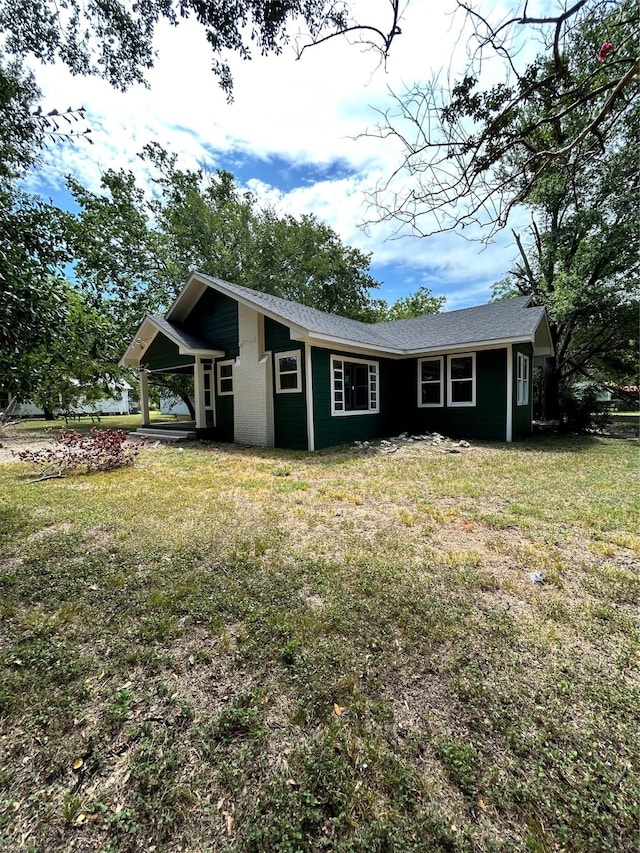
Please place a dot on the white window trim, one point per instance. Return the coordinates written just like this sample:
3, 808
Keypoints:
372, 410
219, 365
523, 378
440, 405
450, 381
297, 354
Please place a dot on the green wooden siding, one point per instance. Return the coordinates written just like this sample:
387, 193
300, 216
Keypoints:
341, 429
163, 353
214, 318
486, 420
289, 410
522, 415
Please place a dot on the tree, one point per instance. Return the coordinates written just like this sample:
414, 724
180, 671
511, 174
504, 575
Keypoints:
77, 363
419, 303
139, 250
472, 153
114, 40
579, 258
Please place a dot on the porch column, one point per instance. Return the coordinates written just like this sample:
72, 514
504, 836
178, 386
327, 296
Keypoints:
198, 394
144, 397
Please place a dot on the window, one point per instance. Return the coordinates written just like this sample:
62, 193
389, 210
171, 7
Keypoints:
523, 379
354, 386
225, 377
461, 390
288, 372
430, 382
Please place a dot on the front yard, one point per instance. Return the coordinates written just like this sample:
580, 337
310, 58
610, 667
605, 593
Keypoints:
357, 650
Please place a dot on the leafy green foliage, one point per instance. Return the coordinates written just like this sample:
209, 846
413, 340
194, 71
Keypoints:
115, 40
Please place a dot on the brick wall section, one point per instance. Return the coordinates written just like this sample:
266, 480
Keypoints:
252, 383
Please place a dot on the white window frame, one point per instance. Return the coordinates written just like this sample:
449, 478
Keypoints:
450, 381
336, 365
219, 378
296, 353
440, 382
523, 379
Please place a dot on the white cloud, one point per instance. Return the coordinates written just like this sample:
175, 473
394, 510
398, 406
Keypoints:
311, 111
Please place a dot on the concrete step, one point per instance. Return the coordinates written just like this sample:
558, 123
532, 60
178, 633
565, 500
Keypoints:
166, 434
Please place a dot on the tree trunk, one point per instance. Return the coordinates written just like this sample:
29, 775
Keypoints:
551, 390
48, 414
187, 401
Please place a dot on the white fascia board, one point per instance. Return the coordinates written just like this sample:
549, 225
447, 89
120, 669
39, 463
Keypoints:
327, 342
538, 347
139, 344
187, 298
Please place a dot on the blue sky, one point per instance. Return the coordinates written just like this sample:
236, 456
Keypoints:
295, 135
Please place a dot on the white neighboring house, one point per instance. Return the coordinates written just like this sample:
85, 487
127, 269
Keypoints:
115, 404
170, 405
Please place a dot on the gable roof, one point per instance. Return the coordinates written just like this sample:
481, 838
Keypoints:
187, 343
510, 320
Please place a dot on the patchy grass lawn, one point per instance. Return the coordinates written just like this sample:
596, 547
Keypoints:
255, 650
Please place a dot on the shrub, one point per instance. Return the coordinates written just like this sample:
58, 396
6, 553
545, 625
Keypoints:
100, 450
582, 410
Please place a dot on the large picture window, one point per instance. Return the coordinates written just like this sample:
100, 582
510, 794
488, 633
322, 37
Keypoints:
354, 386
430, 382
225, 378
523, 379
288, 372
461, 389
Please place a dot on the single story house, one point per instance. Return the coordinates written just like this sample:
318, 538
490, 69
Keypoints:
272, 372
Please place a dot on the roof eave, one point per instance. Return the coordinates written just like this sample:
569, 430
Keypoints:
142, 342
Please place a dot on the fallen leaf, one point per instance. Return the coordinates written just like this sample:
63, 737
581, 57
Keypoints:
230, 822
77, 764
481, 803
337, 709
80, 819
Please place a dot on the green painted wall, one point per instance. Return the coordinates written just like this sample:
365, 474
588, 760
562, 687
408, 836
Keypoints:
522, 415
163, 353
331, 430
289, 410
485, 420
215, 319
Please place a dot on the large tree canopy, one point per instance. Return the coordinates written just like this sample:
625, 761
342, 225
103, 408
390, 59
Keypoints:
475, 148
115, 39
138, 248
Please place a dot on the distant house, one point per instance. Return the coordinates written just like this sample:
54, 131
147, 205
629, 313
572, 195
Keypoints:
116, 403
271, 372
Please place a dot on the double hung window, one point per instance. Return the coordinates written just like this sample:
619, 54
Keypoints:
288, 372
461, 390
225, 378
431, 382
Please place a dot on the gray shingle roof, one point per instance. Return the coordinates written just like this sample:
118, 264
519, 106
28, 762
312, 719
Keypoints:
179, 335
510, 319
